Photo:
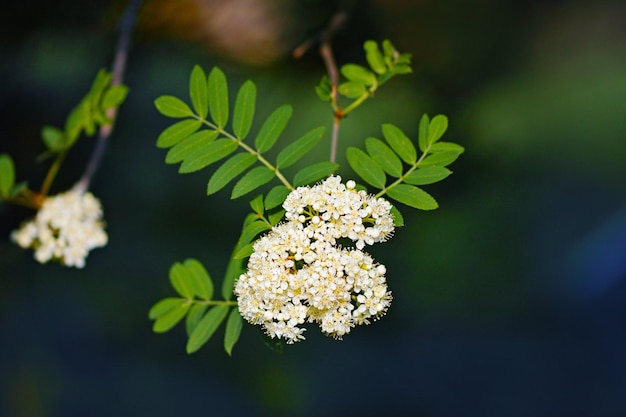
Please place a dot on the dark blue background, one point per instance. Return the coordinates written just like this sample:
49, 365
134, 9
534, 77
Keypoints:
509, 300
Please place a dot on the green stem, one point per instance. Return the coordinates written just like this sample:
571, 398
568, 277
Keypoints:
249, 149
215, 302
401, 179
52, 173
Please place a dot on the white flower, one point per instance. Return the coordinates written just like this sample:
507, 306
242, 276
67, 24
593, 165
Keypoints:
66, 228
297, 272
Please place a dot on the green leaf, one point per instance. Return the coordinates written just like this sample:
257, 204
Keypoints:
218, 97
384, 157
354, 72
234, 324
78, 119
374, 57
250, 231
400, 143
272, 128
244, 109
244, 251
171, 317
413, 197
402, 69
436, 129
324, 89
193, 317
427, 175
207, 155
256, 204
53, 138
404, 59
190, 146
389, 50
398, 219
275, 217
423, 133
352, 89
252, 180
229, 170
206, 327
199, 278
296, 150
163, 306
276, 196
7, 174
182, 281
171, 106
198, 91
365, 167
177, 132
233, 270
447, 147
314, 172
440, 159
114, 97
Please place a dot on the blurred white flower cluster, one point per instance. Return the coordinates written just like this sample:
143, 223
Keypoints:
299, 273
66, 228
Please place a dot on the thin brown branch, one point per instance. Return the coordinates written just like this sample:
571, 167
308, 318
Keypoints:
126, 26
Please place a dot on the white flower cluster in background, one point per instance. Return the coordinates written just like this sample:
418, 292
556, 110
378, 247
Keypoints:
298, 273
66, 228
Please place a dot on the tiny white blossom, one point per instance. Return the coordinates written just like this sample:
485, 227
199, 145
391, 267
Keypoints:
66, 228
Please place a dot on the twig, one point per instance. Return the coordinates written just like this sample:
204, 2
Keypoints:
126, 25
325, 50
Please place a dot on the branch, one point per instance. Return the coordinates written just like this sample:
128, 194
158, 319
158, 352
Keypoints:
126, 25
326, 52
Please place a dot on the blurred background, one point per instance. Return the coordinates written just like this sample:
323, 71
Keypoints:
509, 300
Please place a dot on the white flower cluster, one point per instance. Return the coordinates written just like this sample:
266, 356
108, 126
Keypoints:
298, 273
66, 228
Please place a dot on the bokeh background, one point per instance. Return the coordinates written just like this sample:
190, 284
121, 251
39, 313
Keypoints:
509, 300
